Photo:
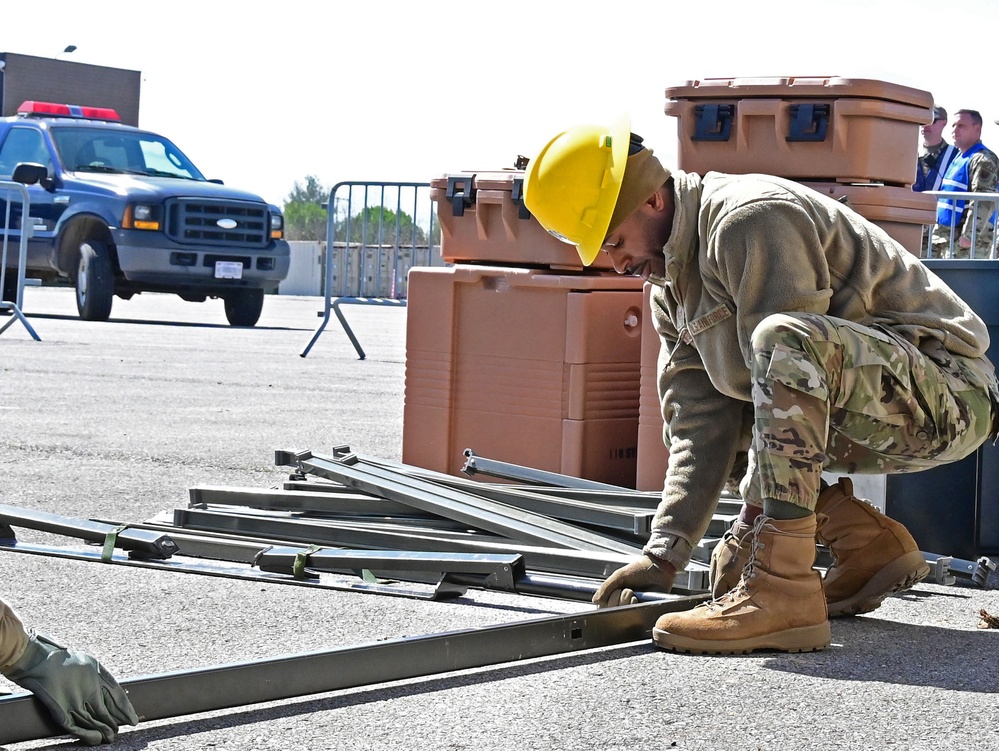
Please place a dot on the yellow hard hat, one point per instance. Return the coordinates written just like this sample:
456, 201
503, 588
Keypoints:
572, 185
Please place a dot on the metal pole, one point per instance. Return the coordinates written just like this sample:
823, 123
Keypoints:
138, 542
498, 518
157, 697
505, 573
539, 558
480, 465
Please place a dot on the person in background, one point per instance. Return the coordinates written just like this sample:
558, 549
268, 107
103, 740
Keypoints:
974, 170
794, 329
935, 154
82, 697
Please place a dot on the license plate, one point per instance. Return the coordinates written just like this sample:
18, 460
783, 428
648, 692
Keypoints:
228, 270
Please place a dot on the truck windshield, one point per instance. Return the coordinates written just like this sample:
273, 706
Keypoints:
134, 152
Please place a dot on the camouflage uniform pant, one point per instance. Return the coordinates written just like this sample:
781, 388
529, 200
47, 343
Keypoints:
829, 394
946, 245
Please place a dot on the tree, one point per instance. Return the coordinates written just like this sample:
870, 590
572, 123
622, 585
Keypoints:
304, 215
378, 225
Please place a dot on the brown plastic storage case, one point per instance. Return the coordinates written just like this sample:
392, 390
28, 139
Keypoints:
900, 212
849, 130
483, 220
523, 366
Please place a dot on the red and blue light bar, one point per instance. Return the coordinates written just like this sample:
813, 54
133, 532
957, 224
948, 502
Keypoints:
53, 109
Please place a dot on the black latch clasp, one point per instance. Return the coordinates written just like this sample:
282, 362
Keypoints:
808, 122
713, 122
460, 193
517, 196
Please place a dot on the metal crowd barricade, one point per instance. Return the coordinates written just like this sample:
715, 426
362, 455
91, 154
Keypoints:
982, 248
375, 232
11, 193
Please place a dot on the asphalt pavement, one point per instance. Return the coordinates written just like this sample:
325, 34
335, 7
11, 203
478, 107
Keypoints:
118, 420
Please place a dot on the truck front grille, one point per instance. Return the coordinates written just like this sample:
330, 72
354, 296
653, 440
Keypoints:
221, 223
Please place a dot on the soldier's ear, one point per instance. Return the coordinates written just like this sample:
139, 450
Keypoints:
655, 201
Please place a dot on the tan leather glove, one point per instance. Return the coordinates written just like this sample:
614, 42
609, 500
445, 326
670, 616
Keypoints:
645, 574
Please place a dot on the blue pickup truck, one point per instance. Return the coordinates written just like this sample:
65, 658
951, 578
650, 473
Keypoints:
118, 210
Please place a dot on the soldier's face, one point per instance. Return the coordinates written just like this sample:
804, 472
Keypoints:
933, 132
964, 132
636, 245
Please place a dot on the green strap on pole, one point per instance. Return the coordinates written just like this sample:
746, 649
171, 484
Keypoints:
109, 542
301, 560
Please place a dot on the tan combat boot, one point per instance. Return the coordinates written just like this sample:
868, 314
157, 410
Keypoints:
729, 557
778, 603
873, 556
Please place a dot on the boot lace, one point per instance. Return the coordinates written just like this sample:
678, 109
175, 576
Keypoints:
749, 572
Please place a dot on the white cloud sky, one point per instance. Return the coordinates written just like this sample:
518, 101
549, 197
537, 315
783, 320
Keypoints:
393, 90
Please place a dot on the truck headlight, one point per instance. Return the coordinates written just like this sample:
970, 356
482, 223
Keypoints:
277, 226
141, 216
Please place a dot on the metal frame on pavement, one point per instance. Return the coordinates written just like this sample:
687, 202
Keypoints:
453, 504
475, 464
139, 543
314, 532
157, 697
451, 574
632, 521
505, 573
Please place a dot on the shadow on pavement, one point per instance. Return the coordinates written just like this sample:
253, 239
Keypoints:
871, 649
189, 324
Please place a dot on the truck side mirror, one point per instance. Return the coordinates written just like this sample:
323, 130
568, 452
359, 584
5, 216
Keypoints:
29, 173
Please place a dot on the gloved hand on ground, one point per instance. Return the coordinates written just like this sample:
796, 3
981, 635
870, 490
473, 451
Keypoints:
82, 697
645, 574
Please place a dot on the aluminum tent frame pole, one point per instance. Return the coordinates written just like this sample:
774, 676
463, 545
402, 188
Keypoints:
139, 543
504, 573
538, 558
342, 502
445, 585
176, 694
498, 518
630, 521
475, 464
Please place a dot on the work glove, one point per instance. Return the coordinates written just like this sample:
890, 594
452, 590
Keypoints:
82, 697
646, 574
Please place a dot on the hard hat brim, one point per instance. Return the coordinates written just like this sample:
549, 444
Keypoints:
591, 243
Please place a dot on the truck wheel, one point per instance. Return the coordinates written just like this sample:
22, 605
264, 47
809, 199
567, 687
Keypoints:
243, 306
94, 281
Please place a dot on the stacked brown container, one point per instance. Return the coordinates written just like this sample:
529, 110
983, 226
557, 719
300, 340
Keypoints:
517, 351
850, 138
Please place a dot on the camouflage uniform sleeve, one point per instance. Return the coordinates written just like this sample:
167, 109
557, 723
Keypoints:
13, 637
983, 174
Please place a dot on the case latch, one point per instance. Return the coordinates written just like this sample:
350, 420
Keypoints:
517, 196
460, 193
713, 122
808, 122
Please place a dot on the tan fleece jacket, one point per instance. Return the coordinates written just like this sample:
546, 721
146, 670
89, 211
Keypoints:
742, 248
13, 637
